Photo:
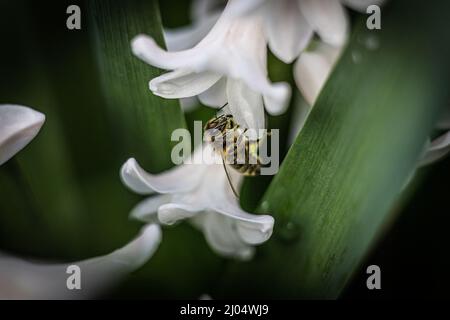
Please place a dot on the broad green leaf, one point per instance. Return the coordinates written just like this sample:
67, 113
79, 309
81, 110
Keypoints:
144, 122
183, 266
348, 165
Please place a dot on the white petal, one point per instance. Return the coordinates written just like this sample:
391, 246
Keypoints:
438, 148
235, 48
20, 279
145, 48
245, 105
216, 96
300, 113
361, 5
18, 126
277, 100
328, 18
251, 228
182, 83
242, 56
171, 213
179, 179
287, 30
188, 37
312, 70
147, 209
223, 239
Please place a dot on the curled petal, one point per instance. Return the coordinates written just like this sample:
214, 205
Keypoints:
313, 68
252, 229
146, 210
182, 83
171, 213
328, 18
145, 48
18, 126
187, 37
179, 179
361, 5
287, 30
438, 148
20, 279
223, 239
130, 257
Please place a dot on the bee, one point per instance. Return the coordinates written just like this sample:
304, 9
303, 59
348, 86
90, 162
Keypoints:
237, 149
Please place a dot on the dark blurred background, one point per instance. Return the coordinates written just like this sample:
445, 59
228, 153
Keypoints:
413, 253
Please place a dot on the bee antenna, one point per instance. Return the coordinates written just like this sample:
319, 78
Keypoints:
222, 107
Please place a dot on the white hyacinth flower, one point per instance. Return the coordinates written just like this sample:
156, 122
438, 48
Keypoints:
227, 65
22, 279
329, 20
200, 192
297, 21
288, 27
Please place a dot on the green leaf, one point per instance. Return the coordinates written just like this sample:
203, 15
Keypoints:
352, 158
144, 122
183, 266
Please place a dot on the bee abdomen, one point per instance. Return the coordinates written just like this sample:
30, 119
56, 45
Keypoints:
247, 169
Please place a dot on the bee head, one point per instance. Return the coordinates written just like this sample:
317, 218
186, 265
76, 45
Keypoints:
218, 126
220, 123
